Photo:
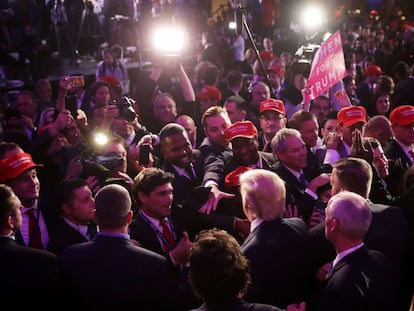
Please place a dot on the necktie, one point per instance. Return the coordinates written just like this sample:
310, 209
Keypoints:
265, 147
35, 239
330, 269
166, 232
92, 231
303, 180
190, 173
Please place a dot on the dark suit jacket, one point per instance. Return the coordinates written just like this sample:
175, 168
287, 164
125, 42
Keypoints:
30, 274
388, 233
399, 163
360, 281
262, 143
238, 305
295, 192
50, 215
364, 94
63, 237
141, 231
403, 93
190, 196
211, 53
112, 273
278, 252
215, 158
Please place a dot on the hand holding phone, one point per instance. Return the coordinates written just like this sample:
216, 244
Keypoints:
76, 81
144, 151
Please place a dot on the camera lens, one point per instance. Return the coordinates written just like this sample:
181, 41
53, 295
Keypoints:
126, 110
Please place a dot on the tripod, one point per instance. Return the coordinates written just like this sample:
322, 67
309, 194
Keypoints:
89, 25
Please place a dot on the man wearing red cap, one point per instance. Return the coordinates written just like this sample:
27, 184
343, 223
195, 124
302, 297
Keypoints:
243, 137
365, 90
209, 96
272, 119
338, 146
276, 73
259, 92
400, 149
18, 171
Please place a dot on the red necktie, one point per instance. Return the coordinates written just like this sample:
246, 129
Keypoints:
166, 232
35, 239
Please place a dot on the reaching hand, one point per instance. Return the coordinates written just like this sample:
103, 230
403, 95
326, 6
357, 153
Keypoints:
215, 196
291, 211
358, 149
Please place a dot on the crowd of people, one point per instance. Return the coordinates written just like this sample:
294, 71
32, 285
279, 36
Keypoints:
223, 186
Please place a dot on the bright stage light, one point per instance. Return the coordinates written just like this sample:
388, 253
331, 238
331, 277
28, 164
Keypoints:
169, 41
312, 18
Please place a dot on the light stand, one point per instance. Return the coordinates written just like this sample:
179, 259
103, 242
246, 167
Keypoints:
241, 23
87, 15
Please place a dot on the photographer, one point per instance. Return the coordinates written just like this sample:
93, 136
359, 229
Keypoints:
102, 164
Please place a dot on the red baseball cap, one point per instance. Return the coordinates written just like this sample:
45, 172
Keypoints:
266, 55
348, 116
16, 164
272, 105
244, 129
374, 70
402, 115
232, 179
277, 69
111, 80
209, 91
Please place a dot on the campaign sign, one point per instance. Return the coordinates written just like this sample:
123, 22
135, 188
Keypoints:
328, 65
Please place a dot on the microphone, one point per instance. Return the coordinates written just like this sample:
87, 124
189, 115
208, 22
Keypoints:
238, 18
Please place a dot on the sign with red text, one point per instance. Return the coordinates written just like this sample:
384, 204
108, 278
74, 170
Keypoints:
328, 65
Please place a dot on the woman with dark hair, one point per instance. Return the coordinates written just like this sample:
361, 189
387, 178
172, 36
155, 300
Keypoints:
380, 105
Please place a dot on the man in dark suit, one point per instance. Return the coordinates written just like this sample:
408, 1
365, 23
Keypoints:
277, 248
210, 51
153, 191
400, 149
187, 166
18, 171
243, 137
358, 278
26, 273
387, 232
290, 149
403, 92
365, 90
307, 124
111, 272
76, 222
216, 151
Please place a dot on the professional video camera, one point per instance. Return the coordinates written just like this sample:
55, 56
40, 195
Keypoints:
126, 109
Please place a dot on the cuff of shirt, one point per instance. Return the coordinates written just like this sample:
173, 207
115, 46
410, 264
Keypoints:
210, 183
311, 193
331, 156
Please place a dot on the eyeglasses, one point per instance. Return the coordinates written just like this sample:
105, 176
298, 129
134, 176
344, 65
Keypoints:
274, 118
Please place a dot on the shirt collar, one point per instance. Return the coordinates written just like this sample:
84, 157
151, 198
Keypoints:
345, 252
25, 209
